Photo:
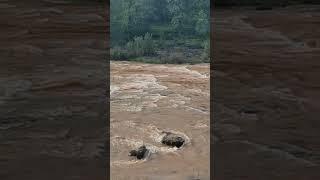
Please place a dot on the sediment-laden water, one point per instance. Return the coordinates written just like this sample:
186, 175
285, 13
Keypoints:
148, 101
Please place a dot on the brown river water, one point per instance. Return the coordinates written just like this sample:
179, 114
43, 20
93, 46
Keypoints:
149, 99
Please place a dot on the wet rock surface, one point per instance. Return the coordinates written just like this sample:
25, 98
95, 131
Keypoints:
172, 140
140, 153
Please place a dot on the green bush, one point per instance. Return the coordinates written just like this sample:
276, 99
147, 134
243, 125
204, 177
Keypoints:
140, 46
118, 53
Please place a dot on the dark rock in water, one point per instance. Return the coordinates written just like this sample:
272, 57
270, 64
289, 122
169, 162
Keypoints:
133, 153
173, 140
140, 153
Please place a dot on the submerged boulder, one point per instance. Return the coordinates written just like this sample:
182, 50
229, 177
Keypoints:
173, 140
139, 153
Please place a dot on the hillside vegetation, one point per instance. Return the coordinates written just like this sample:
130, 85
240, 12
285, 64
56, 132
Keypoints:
160, 31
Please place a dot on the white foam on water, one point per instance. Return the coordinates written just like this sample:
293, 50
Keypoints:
119, 141
127, 162
177, 70
196, 73
178, 100
200, 126
196, 110
136, 92
113, 89
198, 92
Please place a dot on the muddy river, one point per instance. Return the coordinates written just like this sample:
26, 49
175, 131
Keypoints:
149, 100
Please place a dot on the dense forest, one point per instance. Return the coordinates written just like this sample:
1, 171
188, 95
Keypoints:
160, 31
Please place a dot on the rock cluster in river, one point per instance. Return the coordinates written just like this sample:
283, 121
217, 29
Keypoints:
173, 140
140, 153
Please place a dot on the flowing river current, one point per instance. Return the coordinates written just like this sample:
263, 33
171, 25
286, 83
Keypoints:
148, 100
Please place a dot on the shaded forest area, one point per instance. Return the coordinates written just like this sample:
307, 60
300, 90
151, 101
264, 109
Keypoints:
160, 31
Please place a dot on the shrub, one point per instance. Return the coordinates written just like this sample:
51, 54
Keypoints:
118, 54
141, 46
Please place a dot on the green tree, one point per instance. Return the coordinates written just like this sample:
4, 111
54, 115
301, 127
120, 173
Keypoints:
190, 14
130, 18
181, 14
